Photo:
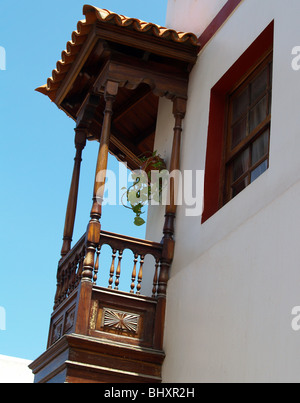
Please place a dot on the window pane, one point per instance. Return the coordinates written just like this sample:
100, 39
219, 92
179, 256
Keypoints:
259, 85
239, 132
240, 165
259, 170
239, 187
260, 147
258, 113
240, 105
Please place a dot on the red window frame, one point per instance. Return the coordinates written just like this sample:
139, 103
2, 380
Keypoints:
216, 138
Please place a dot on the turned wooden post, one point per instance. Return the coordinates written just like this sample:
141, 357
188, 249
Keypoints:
92, 238
179, 110
94, 227
80, 142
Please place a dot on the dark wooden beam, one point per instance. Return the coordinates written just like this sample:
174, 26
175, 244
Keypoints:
158, 46
145, 134
131, 158
139, 95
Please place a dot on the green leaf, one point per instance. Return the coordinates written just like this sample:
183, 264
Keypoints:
137, 209
138, 221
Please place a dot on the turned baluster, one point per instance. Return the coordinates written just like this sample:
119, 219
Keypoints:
80, 268
140, 275
96, 270
69, 277
133, 277
112, 269
65, 284
73, 274
58, 289
155, 278
118, 273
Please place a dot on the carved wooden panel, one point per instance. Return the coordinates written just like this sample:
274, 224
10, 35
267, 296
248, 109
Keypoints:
57, 331
63, 320
70, 320
64, 325
121, 321
122, 317
115, 321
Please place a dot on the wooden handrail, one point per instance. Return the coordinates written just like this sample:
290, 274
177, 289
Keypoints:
134, 244
69, 272
75, 248
70, 266
140, 249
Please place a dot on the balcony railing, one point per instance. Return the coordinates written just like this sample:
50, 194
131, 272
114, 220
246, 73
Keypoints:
71, 266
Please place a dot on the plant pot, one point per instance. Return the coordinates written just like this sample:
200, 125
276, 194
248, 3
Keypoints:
154, 163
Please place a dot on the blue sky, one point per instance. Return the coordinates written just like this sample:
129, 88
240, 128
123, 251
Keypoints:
36, 162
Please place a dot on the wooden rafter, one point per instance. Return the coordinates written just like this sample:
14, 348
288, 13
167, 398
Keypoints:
132, 102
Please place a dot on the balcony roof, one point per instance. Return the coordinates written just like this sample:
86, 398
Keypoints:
148, 61
79, 37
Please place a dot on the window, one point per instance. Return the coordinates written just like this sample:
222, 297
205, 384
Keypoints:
238, 134
248, 130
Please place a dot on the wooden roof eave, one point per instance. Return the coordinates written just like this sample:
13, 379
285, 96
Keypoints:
114, 27
77, 65
103, 39
153, 45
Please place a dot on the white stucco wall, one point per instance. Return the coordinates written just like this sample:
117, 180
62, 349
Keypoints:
15, 370
236, 278
192, 15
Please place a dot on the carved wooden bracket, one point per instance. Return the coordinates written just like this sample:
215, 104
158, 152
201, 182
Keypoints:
131, 76
87, 112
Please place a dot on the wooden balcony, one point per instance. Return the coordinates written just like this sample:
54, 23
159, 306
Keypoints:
119, 343
109, 80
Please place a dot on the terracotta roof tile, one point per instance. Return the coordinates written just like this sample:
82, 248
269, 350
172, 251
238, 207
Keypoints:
93, 14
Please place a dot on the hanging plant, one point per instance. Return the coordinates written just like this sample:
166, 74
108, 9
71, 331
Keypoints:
152, 163
141, 191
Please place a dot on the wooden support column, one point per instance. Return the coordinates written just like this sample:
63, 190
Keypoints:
179, 110
80, 142
94, 227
